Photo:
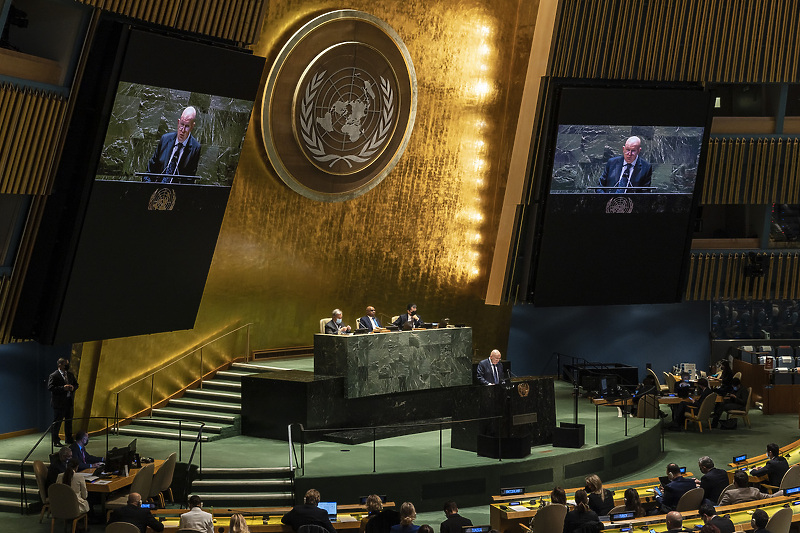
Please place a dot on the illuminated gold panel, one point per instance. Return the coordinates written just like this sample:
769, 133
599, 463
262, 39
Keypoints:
425, 234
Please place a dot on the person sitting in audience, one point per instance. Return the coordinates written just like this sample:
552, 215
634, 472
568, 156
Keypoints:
196, 518
709, 528
714, 480
775, 468
79, 452
455, 522
677, 487
647, 386
581, 518
674, 521
238, 524
734, 400
759, 521
725, 375
601, 500
741, 491
77, 483
709, 516
308, 513
425, 528
134, 514
703, 390
378, 519
58, 465
633, 503
407, 516
558, 495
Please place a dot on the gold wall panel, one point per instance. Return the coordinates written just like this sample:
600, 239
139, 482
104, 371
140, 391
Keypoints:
681, 40
752, 171
721, 275
425, 234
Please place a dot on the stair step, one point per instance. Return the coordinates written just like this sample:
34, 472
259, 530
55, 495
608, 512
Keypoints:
186, 427
13, 464
13, 478
207, 405
247, 496
263, 471
161, 433
232, 374
10, 505
243, 483
214, 394
222, 384
192, 414
252, 367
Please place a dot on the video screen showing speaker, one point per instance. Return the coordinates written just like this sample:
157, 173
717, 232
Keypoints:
623, 166
140, 194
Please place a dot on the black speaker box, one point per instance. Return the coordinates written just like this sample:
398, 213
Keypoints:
509, 447
569, 435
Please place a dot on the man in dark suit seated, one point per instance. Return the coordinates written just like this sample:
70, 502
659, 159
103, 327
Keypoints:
177, 152
627, 171
709, 516
134, 514
759, 521
409, 316
379, 520
733, 401
775, 468
79, 452
680, 411
369, 321
714, 480
335, 327
58, 465
677, 487
308, 513
455, 522
674, 521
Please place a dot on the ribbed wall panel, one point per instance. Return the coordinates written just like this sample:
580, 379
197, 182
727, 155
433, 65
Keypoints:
678, 40
752, 171
722, 275
232, 20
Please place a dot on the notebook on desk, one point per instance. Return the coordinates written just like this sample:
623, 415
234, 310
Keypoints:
330, 508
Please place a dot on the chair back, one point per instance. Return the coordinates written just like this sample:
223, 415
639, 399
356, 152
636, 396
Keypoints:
163, 478
40, 472
143, 480
322, 322
791, 478
706, 408
738, 375
549, 518
394, 318
781, 521
691, 500
648, 407
122, 527
669, 378
311, 528
63, 502
731, 486
617, 509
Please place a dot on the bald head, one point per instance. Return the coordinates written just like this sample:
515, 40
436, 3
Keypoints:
633, 145
186, 123
495, 356
674, 520
134, 498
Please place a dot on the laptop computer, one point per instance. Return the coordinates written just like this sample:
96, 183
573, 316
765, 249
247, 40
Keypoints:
330, 508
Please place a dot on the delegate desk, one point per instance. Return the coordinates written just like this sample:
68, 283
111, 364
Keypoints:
401, 361
115, 482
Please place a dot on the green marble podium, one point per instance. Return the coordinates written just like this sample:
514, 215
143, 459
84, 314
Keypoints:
385, 363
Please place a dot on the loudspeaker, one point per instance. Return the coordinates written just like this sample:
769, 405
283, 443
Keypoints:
509, 447
569, 435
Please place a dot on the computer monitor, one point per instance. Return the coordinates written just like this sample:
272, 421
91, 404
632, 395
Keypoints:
330, 508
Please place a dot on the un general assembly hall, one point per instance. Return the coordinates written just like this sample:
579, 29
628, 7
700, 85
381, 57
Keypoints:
492, 266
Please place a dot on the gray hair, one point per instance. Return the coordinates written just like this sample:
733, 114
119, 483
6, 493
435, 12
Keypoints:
336, 312
706, 461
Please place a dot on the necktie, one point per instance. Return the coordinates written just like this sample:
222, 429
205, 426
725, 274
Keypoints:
374, 322
172, 168
626, 176
494, 369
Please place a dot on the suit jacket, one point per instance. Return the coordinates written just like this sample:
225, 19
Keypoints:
198, 520
576, 519
738, 401
141, 518
674, 490
454, 523
486, 375
58, 395
641, 176
187, 166
723, 524
365, 323
604, 505
331, 328
713, 483
775, 469
83, 457
383, 521
741, 495
301, 515
402, 319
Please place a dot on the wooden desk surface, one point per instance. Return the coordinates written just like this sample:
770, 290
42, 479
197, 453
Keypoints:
116, 482
257, 523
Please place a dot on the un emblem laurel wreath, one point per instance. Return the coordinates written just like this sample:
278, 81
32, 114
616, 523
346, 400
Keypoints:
313, 142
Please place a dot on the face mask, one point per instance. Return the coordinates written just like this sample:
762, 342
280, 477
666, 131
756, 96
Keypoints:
66, 367
338, 320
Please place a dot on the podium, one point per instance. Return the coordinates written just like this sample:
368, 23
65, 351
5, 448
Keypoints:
518, 415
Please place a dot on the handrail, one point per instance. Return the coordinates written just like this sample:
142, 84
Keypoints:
188, 353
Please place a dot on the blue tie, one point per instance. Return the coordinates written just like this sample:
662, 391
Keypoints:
172, 168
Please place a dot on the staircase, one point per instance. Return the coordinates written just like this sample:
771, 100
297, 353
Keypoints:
218, 403
246, 487
10, 492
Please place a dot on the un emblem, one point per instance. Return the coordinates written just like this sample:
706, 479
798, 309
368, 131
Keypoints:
161, 200
339, 106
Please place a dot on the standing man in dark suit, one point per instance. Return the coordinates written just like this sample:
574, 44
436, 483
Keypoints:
775, 468
134, 514
335, 327
714, 480
627, 171
177, 153
62, 386
489, 370
369, 321
677, 487
455, 522
410, 316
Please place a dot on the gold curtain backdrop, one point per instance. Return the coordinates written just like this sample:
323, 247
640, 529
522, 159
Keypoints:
425, 234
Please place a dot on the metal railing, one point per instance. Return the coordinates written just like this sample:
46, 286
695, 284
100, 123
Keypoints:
198, 442
152, 375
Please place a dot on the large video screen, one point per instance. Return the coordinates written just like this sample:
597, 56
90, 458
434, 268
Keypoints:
623, 167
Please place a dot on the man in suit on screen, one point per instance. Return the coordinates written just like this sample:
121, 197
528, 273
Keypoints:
490, 372
627, 171
369, 321
177, 153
